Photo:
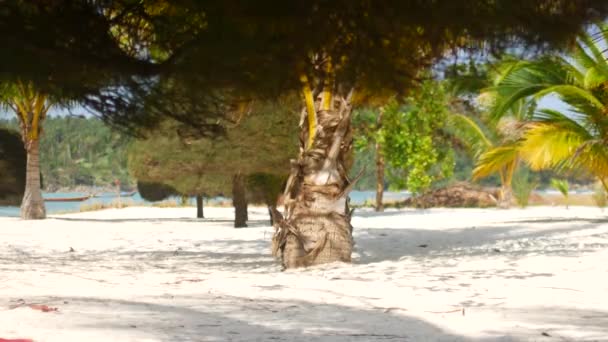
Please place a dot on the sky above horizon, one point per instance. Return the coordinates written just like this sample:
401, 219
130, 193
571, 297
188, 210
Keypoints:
550, 102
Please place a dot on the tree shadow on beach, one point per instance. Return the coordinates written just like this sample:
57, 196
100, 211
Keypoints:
372, 214
561, 220
157, 220
176, 257
223, 318
511, 239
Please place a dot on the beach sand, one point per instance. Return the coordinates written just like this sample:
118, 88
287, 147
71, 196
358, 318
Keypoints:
151, 274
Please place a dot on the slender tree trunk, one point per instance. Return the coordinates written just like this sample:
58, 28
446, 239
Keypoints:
271, 210
245, 208
379, 168
315, 227
32, 206
199, 206
506, 197
379, 179
239, 200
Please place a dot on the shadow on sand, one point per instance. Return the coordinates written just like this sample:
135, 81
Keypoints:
227, 318
156, 220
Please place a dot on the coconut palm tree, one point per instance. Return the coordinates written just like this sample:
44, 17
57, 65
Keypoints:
31, 107
494, 145
492, 140
571, 139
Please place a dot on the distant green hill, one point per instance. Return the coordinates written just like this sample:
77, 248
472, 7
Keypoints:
77, 151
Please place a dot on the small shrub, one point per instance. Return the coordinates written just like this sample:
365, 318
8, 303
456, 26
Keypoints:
562, 186
523, 186
599, 196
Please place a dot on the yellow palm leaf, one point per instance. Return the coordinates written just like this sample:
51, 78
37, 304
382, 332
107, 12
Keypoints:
495, 160
547, 145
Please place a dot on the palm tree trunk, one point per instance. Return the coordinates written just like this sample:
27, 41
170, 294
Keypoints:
379, 167
199, 206
506, 197
239, 200
315, 227
379, 178
32, 205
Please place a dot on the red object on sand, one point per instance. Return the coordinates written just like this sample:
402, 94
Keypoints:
16, 340
42, 308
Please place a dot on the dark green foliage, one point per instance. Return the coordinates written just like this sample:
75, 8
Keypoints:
260, 145
155, 192
12, 167
265, 188
65, 48
254, 48
524, 183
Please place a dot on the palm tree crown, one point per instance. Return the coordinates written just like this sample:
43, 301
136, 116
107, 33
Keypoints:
573, 139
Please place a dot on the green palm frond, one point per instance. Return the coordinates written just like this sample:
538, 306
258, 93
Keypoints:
560, 185
508, 100
527, 80
594, 78
470, 132
567, 92
495, 160
602, 30
570, 122
580, 56
575, 73
593, 156
505, 68
571, 140
591, 45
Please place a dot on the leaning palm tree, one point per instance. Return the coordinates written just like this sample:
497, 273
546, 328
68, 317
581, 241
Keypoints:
571, 139
493, 140
30, 107
495, 149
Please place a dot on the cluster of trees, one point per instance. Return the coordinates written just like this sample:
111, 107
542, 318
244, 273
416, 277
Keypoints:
491, 111
514, 130
136, 64
248, 163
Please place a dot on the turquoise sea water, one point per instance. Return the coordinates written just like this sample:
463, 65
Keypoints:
60, 207
356, 197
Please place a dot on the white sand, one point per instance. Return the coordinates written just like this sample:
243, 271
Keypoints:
149, 274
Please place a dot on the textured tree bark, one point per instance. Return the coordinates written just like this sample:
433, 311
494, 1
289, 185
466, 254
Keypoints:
199, 207
315, 226
239, 200
32, 205
379, 168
